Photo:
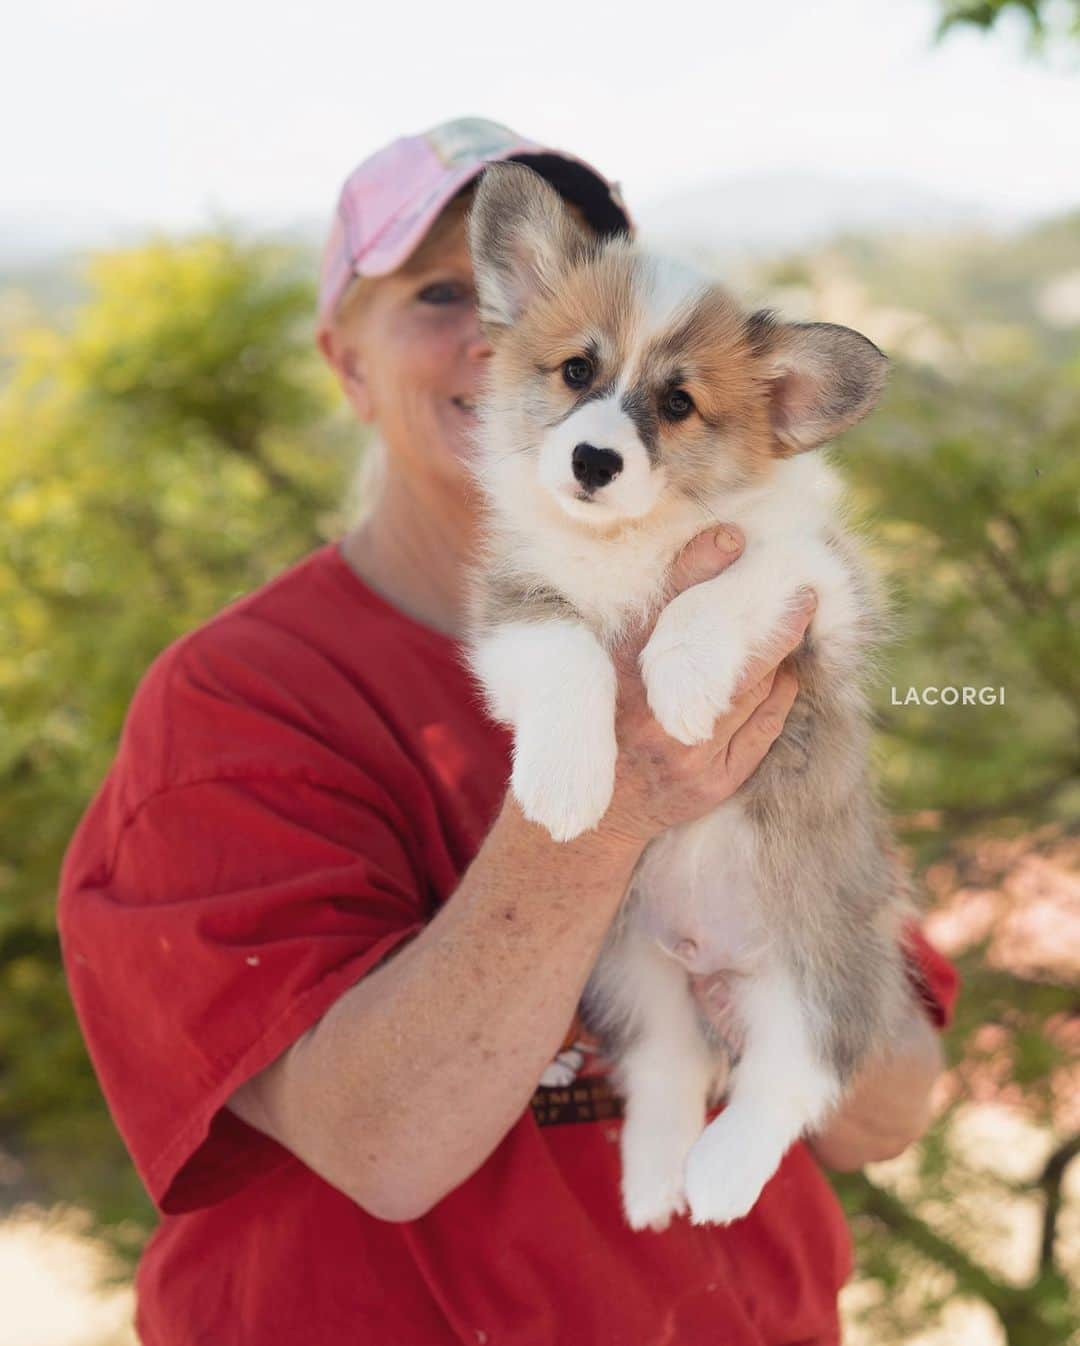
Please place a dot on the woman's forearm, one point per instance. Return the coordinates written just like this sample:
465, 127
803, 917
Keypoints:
888, 1106
413, 1077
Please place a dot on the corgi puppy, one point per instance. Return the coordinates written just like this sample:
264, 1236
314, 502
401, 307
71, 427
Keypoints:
631, 402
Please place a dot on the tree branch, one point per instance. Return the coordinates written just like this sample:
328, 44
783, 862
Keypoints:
1031, 600
971, 1278
1050, 1181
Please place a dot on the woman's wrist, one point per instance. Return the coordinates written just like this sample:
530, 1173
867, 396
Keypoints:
605, 853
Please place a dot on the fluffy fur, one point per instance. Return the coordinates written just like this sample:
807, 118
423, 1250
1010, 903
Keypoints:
787, 888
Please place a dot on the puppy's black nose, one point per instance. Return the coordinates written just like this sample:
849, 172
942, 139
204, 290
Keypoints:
595, 467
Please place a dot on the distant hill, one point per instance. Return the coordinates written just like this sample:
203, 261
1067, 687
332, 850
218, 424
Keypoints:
761, 213
30, 238
785, 212
908, 247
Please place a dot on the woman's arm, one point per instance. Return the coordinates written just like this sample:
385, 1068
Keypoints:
408, 1083
888, 1107
417, 1072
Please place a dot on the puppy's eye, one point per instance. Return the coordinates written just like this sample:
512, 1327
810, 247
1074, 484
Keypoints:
577, 372
676, 405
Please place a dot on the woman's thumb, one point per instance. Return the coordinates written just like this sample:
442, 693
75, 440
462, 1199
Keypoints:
705, 556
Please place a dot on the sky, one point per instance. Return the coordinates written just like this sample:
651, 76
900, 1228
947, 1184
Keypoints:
150, 114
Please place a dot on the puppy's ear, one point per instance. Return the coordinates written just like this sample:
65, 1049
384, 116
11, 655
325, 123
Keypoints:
822, 378
521, 237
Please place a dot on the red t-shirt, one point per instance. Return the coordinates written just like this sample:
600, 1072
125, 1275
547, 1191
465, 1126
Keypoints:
299, 784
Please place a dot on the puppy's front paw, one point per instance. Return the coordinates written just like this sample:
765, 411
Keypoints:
730, 1164
690, 671
564, 775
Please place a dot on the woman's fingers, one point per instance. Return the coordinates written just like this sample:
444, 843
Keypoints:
748, 745
744, 705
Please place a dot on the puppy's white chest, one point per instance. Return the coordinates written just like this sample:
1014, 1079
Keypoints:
696, 894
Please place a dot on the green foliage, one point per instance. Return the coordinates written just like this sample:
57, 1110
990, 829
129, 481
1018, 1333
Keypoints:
975, 485
1040, 15
170, 451
967, 479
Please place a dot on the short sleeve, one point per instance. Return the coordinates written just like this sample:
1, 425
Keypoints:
232, 914
934, 979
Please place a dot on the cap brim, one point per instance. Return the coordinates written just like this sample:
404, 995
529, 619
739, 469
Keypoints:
400, 238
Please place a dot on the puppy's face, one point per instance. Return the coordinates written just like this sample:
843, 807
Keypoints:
633, 381
620, 380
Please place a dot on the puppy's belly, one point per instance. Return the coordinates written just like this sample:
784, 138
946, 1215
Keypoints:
696, 895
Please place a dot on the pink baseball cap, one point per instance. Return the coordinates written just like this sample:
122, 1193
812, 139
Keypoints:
389, 202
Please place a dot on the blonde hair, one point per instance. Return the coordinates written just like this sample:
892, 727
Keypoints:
356, 295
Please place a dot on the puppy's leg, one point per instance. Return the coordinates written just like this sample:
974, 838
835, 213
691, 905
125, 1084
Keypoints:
705, 636
779, 1089
554, 683
664, 1075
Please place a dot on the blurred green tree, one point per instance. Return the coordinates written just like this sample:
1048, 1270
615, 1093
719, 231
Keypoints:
975, 487
171, 450
1042, 16
974, 484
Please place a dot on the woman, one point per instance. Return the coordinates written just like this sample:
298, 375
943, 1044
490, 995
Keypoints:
348, 1146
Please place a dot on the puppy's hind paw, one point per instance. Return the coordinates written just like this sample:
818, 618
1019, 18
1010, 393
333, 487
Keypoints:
652, 1205
727, 1169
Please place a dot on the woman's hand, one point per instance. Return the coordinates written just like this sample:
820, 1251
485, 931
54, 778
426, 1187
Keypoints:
659, 782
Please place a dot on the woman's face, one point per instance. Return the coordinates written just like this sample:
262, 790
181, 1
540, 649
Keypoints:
411, 358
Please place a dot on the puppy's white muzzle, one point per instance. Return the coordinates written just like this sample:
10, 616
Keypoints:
616, 480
